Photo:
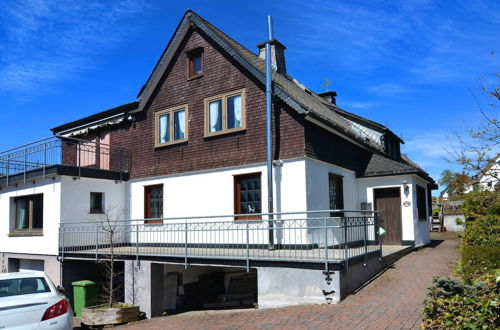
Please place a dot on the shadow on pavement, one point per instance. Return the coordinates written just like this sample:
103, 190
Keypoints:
435, 242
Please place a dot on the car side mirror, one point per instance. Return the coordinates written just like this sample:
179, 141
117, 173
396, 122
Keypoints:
60, 288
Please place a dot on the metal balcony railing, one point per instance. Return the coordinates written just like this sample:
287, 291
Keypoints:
19, 162
313, 236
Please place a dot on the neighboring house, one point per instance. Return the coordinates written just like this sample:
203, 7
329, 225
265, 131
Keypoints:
192, 147
488, 179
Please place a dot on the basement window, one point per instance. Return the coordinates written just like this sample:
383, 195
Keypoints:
28, 213
96, 202
247, 196
171, 126
225, 113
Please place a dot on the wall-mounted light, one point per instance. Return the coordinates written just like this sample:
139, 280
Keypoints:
278, 162
405, 186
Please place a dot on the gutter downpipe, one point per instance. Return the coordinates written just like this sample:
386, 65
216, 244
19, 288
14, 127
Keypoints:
269, 82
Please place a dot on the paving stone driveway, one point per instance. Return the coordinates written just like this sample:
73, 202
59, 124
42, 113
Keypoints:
391, 301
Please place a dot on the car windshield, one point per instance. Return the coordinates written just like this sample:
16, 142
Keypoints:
21, 286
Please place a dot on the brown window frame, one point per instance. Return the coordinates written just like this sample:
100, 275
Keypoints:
223, 98
191, 55
171, 111
237, 197
340, 198
147, 204
421, 204
100, 208
31, 201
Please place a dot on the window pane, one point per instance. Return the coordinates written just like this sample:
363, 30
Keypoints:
96, 204
22, 213
197, 64
156, 202
335, 191
164, 128
421, 208
215, 115
37, 212
179, 125
249, 195
234, 112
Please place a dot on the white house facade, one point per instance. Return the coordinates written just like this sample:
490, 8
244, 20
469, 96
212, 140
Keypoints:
180, 174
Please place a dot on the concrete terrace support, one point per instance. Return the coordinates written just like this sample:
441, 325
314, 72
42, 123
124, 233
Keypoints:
280, 287
144, 286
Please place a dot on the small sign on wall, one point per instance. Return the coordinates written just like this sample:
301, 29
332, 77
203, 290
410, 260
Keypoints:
366, 207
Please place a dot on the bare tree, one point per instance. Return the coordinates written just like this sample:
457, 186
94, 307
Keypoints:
109, 226
134, 288
3, 264
479, 147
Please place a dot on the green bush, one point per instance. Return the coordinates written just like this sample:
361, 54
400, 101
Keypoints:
477, 261
484, 230
478, 203
454, 305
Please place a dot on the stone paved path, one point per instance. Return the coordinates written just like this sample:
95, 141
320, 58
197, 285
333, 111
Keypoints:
391, 301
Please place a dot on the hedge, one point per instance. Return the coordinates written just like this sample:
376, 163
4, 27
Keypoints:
477, 261
454, 305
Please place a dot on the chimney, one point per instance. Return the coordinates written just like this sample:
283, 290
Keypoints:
329, 96
277, 55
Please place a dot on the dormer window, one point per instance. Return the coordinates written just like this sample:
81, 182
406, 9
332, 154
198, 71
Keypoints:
195, 65
392, 147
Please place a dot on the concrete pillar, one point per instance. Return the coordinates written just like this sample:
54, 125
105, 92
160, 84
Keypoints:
280, 287
144, 286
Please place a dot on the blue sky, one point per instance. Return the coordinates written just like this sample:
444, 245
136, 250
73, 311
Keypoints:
408, 64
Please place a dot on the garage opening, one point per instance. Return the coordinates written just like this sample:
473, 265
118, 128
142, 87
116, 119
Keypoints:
25, 265
204, 288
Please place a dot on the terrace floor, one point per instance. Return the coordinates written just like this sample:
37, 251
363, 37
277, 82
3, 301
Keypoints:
391, 301
317, 255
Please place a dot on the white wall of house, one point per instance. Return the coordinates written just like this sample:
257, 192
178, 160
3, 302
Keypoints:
421, 228
47, 244
366, 187
64, 199
318, 197
210, 193
75, 198
75, 207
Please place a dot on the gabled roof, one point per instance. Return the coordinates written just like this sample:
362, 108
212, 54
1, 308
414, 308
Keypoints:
382, 166
314, 107
296, 95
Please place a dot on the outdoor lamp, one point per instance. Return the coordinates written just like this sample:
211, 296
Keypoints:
405, 186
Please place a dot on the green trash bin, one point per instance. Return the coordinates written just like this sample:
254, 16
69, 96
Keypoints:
84, 295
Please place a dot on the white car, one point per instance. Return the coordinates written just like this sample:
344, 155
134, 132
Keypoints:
29, 300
